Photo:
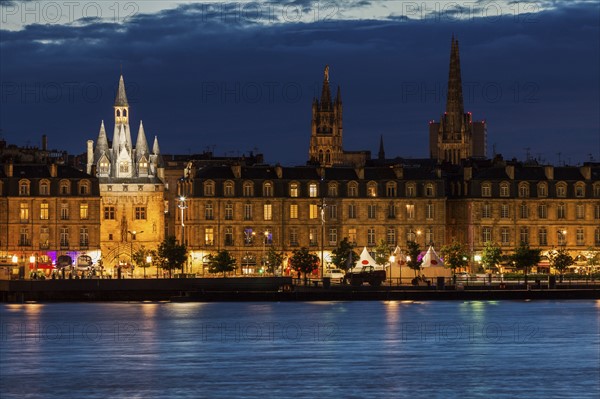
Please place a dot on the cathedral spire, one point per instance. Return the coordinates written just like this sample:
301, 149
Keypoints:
121, 99
454, 102
338, 96
381, 154
325, 92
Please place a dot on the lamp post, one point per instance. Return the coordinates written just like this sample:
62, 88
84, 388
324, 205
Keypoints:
392, 260
263, 261
133, 237
182, 206
32, 262
323, 205
148, 262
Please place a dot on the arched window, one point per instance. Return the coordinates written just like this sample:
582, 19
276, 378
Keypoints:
248, 189
228, 189
209, 188
65, 187
84, 187
372, 189
124, 112
24, 187
328, 157
118, 113
353, 189
44, 187
267, 189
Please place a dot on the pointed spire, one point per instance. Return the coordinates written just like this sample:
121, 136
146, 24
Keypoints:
141, 145
101, 143
325, 92
121, 99
381, 154
155, 148
338, 96
454, 102
122, 138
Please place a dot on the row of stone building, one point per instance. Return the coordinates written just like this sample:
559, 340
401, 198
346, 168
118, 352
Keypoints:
131, 196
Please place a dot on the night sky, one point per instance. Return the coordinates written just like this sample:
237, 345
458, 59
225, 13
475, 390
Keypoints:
241, 76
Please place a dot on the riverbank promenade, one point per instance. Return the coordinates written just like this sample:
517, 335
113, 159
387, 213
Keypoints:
274, 289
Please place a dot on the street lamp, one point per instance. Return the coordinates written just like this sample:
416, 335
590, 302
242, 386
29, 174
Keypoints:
322, 206
133, 237
148, 262
182, 206
392, 260
263, 261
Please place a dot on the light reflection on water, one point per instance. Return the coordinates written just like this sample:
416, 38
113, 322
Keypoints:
389, 349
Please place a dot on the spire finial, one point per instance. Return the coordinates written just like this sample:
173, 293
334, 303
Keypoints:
327, 73
121, 99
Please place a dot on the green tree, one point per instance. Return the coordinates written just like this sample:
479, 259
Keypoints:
455, 256
274, 259
382, 253
593, 259
139, 258
525, 257
304, 262
491, 256
560, 260
173, 254
412, 256
157, 261
341, 257
222, 262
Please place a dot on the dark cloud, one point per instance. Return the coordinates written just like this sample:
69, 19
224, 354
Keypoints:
200, 76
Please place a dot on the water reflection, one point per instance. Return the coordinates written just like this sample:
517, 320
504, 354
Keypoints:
342, 349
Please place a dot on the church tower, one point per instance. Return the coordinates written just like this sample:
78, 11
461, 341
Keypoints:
131, 186
326, 134
456, 136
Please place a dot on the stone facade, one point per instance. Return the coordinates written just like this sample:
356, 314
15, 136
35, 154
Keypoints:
47, 212
131, 186
232, 207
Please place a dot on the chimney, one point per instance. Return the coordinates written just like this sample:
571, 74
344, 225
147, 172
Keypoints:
8, 168
467, 173
510, 171
360, 172
549, 171
586, 171
44, 142
53, 170
237, 171
90, 156
398, 171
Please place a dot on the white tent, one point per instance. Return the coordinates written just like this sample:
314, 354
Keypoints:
431, 259
366, 260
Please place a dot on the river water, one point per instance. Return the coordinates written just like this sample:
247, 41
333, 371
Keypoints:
487, 349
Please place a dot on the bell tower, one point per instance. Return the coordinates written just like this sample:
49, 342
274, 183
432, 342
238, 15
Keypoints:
121, 105
456, 136
326, 130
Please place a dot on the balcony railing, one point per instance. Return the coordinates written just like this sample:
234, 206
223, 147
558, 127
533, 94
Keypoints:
24, 243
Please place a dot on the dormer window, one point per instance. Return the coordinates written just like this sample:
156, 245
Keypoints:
313, 191
103, 166
143, 166
44, 187
65, 187
24, 187
372, 189
84, 187
268, 189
